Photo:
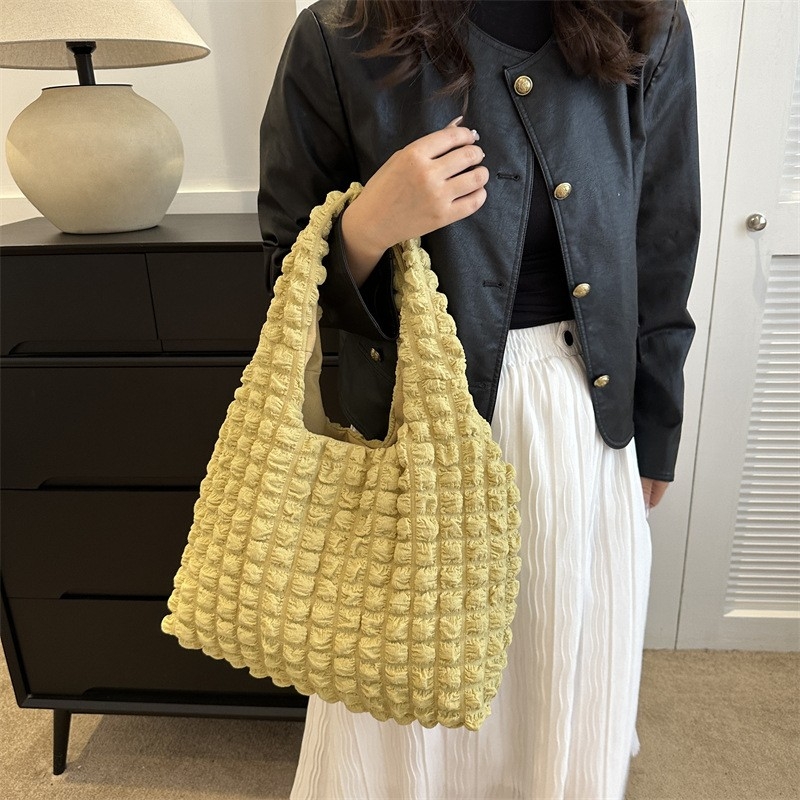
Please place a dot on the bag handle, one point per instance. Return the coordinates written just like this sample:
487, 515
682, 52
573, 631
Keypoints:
430, 357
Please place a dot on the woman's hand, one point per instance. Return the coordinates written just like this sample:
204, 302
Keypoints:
653, 491
424, 186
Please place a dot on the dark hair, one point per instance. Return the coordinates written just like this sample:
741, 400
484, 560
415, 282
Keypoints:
607, 40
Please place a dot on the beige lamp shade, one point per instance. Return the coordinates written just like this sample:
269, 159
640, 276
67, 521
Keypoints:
128, 33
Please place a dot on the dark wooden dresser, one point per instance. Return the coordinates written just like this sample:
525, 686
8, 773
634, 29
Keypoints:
120, 355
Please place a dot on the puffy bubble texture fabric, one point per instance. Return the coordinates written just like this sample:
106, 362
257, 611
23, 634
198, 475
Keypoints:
379, 574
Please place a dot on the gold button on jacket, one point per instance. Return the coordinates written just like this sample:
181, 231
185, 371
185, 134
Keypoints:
562, 190
581, 290
376, 355
523, 84
602, 380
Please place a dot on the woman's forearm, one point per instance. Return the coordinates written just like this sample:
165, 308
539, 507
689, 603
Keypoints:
362, 253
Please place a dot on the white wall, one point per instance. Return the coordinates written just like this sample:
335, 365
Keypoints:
216, 102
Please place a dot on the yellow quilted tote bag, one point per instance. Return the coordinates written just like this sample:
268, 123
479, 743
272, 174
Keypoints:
379, 574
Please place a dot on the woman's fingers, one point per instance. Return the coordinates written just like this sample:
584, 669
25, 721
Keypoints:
431, 182
466, 183
653, 491
436, 144
467, 203
453, 165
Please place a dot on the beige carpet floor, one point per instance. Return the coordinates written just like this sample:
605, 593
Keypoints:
714, 725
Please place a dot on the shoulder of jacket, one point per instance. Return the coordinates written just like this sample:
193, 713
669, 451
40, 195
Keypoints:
320, 20
673, 19
313, 27
326, 11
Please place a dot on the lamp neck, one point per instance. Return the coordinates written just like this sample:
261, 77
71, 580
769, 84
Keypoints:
83, 61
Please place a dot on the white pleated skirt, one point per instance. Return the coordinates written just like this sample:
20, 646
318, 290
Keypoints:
563, 723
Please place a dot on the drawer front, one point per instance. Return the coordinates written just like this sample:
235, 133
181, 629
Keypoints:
95, 648
213, 301
104, 544
99, 426
76, 304
118, 426
209, 301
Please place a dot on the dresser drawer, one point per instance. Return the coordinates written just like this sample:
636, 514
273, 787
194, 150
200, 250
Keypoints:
81, 543
213, 301
107, 648
76, 304
209, 301
152, 422
112, 425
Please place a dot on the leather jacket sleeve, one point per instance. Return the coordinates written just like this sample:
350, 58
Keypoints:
668, 231
306, 151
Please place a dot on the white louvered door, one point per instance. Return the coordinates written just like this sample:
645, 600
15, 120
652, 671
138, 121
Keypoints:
742, 568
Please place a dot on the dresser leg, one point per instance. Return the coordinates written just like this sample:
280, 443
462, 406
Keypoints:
61, 720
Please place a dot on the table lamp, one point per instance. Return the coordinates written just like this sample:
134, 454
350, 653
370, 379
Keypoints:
95, 158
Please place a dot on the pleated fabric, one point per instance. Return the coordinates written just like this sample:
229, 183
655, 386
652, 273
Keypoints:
563, 723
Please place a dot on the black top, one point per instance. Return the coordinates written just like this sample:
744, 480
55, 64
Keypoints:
542, 292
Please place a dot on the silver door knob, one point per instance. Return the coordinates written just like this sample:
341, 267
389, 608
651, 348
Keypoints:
756, 222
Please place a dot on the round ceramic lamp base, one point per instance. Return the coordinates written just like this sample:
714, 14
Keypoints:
96, 159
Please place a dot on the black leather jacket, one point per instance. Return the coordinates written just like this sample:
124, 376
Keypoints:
622, 169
